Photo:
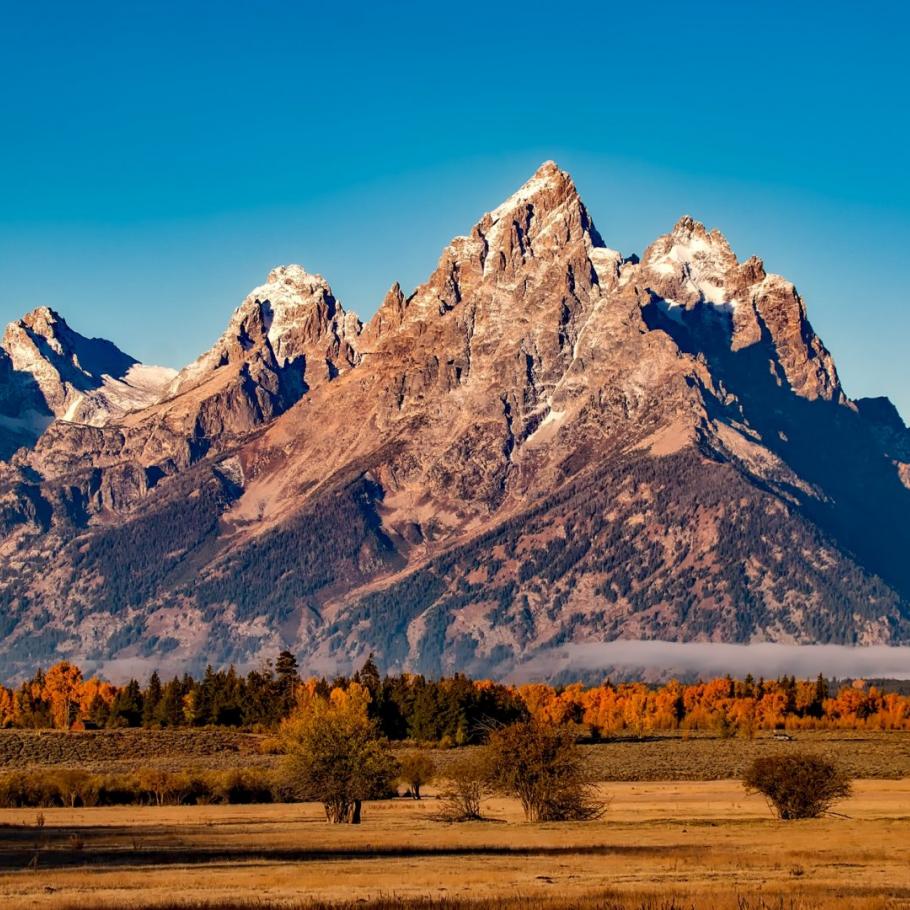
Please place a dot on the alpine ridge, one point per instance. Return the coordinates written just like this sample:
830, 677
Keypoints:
546, 442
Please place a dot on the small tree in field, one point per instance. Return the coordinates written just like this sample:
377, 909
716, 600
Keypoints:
417, 769
542, 766
336, 756
797, 786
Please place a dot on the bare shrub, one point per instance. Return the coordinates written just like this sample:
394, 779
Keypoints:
542, 766
797, 785
466, 785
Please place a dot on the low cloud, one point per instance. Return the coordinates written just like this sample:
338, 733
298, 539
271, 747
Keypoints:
664, 659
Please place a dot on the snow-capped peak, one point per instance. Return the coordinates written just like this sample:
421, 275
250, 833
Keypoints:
547, 177
62, 374
294, 311
695, 259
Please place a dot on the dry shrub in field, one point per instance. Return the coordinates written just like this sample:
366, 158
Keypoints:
157, 783
797, 785
241, 787
465, 787
270, 745
416, 770
543, 767
20, 789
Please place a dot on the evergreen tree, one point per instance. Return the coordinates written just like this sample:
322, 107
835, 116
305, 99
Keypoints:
261, 705
226, 699
126, 710
151, 699
169, 711
98, 713
287, 671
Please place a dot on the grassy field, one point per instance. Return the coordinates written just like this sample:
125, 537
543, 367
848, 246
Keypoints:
668, 757
661, 845
679, 834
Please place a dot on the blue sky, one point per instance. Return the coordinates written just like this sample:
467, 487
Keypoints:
157, 159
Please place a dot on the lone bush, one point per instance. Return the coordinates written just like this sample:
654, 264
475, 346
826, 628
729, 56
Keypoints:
797, 785
541, 765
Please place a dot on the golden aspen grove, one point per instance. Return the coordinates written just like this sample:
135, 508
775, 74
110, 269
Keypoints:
453, 710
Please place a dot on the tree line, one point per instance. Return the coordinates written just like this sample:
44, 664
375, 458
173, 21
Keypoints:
450, 711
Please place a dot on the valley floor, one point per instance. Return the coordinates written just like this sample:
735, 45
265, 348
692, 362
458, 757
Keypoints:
702, 844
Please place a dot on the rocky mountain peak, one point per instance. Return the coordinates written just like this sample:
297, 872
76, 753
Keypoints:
690, 265
537, 221
387, 319
43, 320
57, 373
695, 281
540, 235
291, 319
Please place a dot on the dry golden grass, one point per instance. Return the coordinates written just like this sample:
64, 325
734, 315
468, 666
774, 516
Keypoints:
702, 844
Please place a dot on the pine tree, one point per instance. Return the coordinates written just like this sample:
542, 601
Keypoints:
151, 700
169, 711
98, 713
286, 669
126, 711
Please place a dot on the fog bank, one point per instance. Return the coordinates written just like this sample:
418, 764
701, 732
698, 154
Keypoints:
664, 659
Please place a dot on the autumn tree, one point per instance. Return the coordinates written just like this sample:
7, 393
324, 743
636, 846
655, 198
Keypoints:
416, 769
63, 685
335, 754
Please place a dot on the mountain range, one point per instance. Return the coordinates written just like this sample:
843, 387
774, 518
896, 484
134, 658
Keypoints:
546, 442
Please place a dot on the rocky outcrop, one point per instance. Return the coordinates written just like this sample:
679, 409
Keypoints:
545, 442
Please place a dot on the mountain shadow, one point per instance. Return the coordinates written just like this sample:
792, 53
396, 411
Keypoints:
832, 445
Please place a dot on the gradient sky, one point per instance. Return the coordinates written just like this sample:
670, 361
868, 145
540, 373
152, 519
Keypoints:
157, 159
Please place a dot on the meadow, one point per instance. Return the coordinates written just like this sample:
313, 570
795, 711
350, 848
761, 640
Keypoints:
699, 844
697, 841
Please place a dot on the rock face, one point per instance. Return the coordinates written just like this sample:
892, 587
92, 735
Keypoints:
546, 442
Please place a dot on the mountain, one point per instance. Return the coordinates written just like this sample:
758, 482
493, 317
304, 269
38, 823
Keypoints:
546, 442
48, 371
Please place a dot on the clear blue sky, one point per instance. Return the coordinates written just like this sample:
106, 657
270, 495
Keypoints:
157, 159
